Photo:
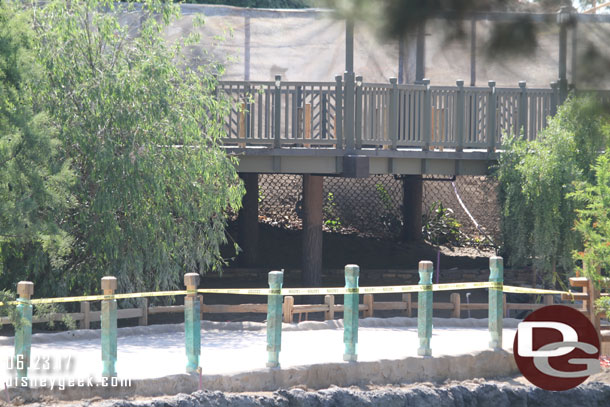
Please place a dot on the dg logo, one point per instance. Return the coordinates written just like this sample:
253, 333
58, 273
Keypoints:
557, 348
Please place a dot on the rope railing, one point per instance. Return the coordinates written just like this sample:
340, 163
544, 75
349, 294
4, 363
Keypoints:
275, 294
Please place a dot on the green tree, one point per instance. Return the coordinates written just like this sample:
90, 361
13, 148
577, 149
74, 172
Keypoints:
536, 179
593, 224
142, 130
256, 3
34, 179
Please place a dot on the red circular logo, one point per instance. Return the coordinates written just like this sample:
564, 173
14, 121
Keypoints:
556, 348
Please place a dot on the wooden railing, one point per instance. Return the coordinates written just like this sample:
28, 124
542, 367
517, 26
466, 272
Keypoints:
350, 114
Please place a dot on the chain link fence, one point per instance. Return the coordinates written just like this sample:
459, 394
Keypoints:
372, 206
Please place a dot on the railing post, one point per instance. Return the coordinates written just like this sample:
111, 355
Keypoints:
85, 309
554, 102
287, 309
274, 318
496, 301
459, 115
427, 115
192, 322
394, 113
358, 124
424, 308
23, 333
491, 117
349, 110
109, 327
523, 110
329, 300
350, 313
339, 112
277, 112
248, 107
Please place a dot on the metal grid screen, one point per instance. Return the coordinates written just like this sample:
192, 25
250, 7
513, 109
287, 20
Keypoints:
373, 206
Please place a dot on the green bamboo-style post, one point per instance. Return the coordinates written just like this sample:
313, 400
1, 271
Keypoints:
109, 327
424, 308
23, 334
496, 301
192, 322
350, 313
274, 318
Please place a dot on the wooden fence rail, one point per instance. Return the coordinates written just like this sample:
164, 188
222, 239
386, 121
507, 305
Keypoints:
367, 308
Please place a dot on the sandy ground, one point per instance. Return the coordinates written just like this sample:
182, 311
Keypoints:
157, 351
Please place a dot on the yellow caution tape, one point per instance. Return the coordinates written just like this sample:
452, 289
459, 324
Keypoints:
241, 291
305, 291
522, 290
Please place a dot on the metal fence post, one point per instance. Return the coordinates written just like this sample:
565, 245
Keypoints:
351, 301
496, 301
424, 308
491, 117
109, 327
349, 110
192, 322
554, 101
339, 112
523, 110
23, 333
358, 124
459, 115
394, 113
277, 112
426, 128
274, 318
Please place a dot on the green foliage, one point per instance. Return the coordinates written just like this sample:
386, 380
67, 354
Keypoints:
142, 131
593, 224
256, 3
440, 227
536, 178
333, 222
34, 179
388, 217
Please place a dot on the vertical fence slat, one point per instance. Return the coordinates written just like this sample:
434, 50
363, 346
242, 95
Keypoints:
277, 107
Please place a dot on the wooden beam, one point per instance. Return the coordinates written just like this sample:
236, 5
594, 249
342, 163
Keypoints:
248, 220
312, 231
412, 207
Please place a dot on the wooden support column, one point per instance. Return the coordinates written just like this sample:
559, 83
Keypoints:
312, 230
412, 207
248, 220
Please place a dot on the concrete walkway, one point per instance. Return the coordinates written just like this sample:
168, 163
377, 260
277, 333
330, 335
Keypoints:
231, 348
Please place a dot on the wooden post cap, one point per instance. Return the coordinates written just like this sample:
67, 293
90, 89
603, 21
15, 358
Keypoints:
109, 283
191, 281
25, 289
